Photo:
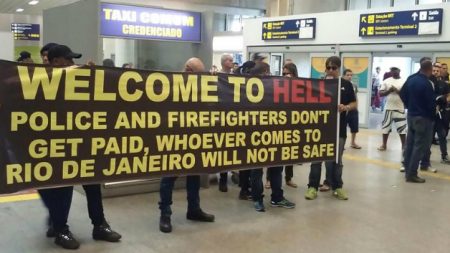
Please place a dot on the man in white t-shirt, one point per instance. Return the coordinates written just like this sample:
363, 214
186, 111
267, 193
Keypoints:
394, 108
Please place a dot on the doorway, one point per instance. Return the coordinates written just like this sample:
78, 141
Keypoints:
407, 66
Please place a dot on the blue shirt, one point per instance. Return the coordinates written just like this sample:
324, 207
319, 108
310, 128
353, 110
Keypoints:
418, 96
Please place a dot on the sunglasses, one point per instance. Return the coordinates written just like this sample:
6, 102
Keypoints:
331, 68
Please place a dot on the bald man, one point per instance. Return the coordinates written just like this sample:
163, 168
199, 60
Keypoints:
194, 65
194, 212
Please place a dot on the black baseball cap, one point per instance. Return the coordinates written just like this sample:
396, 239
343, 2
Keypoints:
62, 51
24, 55
47, 47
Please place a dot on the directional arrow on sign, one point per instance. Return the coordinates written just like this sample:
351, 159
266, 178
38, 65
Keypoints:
414, 16
363, 31
297, 23
264, 35
265, 26
364, 19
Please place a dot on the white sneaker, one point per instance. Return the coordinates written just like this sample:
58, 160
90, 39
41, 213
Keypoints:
430, 169
402, 169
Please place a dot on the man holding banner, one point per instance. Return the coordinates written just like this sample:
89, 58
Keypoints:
274, 174
347, 103
58, 200
194, 211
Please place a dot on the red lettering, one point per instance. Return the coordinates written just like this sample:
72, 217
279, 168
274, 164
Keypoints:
323, 98
282, 90
310, 98
298, 87
299, 91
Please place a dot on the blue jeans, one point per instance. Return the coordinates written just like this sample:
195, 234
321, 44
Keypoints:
193, 194
334, 170
418, 143
441, 129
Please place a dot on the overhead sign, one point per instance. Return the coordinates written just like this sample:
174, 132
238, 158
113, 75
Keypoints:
26, 31
293, 29
416, 22
149, 23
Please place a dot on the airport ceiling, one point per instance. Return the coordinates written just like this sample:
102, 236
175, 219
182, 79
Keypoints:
11, 6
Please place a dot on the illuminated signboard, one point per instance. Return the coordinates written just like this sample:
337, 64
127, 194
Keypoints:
293, 29
26, 31
149, 23
416, 22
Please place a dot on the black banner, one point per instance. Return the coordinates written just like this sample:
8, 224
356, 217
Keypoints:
66, 126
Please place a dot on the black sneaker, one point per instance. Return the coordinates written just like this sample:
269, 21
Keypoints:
445, 160
104, 232
415, 179
199, 215
259, 206
66, 240
165, 225
283, 203
245, 195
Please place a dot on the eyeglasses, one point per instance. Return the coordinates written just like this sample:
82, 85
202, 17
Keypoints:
331, 68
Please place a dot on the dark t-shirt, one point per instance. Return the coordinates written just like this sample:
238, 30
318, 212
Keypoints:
441, 88
347, 96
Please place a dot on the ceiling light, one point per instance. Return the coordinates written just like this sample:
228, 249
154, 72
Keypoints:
34, 2
19, 10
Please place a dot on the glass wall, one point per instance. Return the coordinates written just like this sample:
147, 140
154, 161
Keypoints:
377, 4
404, 3
380, 4
357, 5
430, 1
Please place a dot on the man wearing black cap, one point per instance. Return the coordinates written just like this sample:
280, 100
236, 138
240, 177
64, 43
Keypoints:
44, 52
58, 200
25, 57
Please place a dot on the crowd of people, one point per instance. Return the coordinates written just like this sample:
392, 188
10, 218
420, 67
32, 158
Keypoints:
395, 107
424, 94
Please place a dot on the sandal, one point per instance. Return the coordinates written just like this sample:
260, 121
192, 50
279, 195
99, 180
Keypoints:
324, 188
291, 184
355, 146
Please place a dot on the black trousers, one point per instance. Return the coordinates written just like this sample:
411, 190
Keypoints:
59, 200
244, 180
94, 203
275, 177
223, 178
288, 172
